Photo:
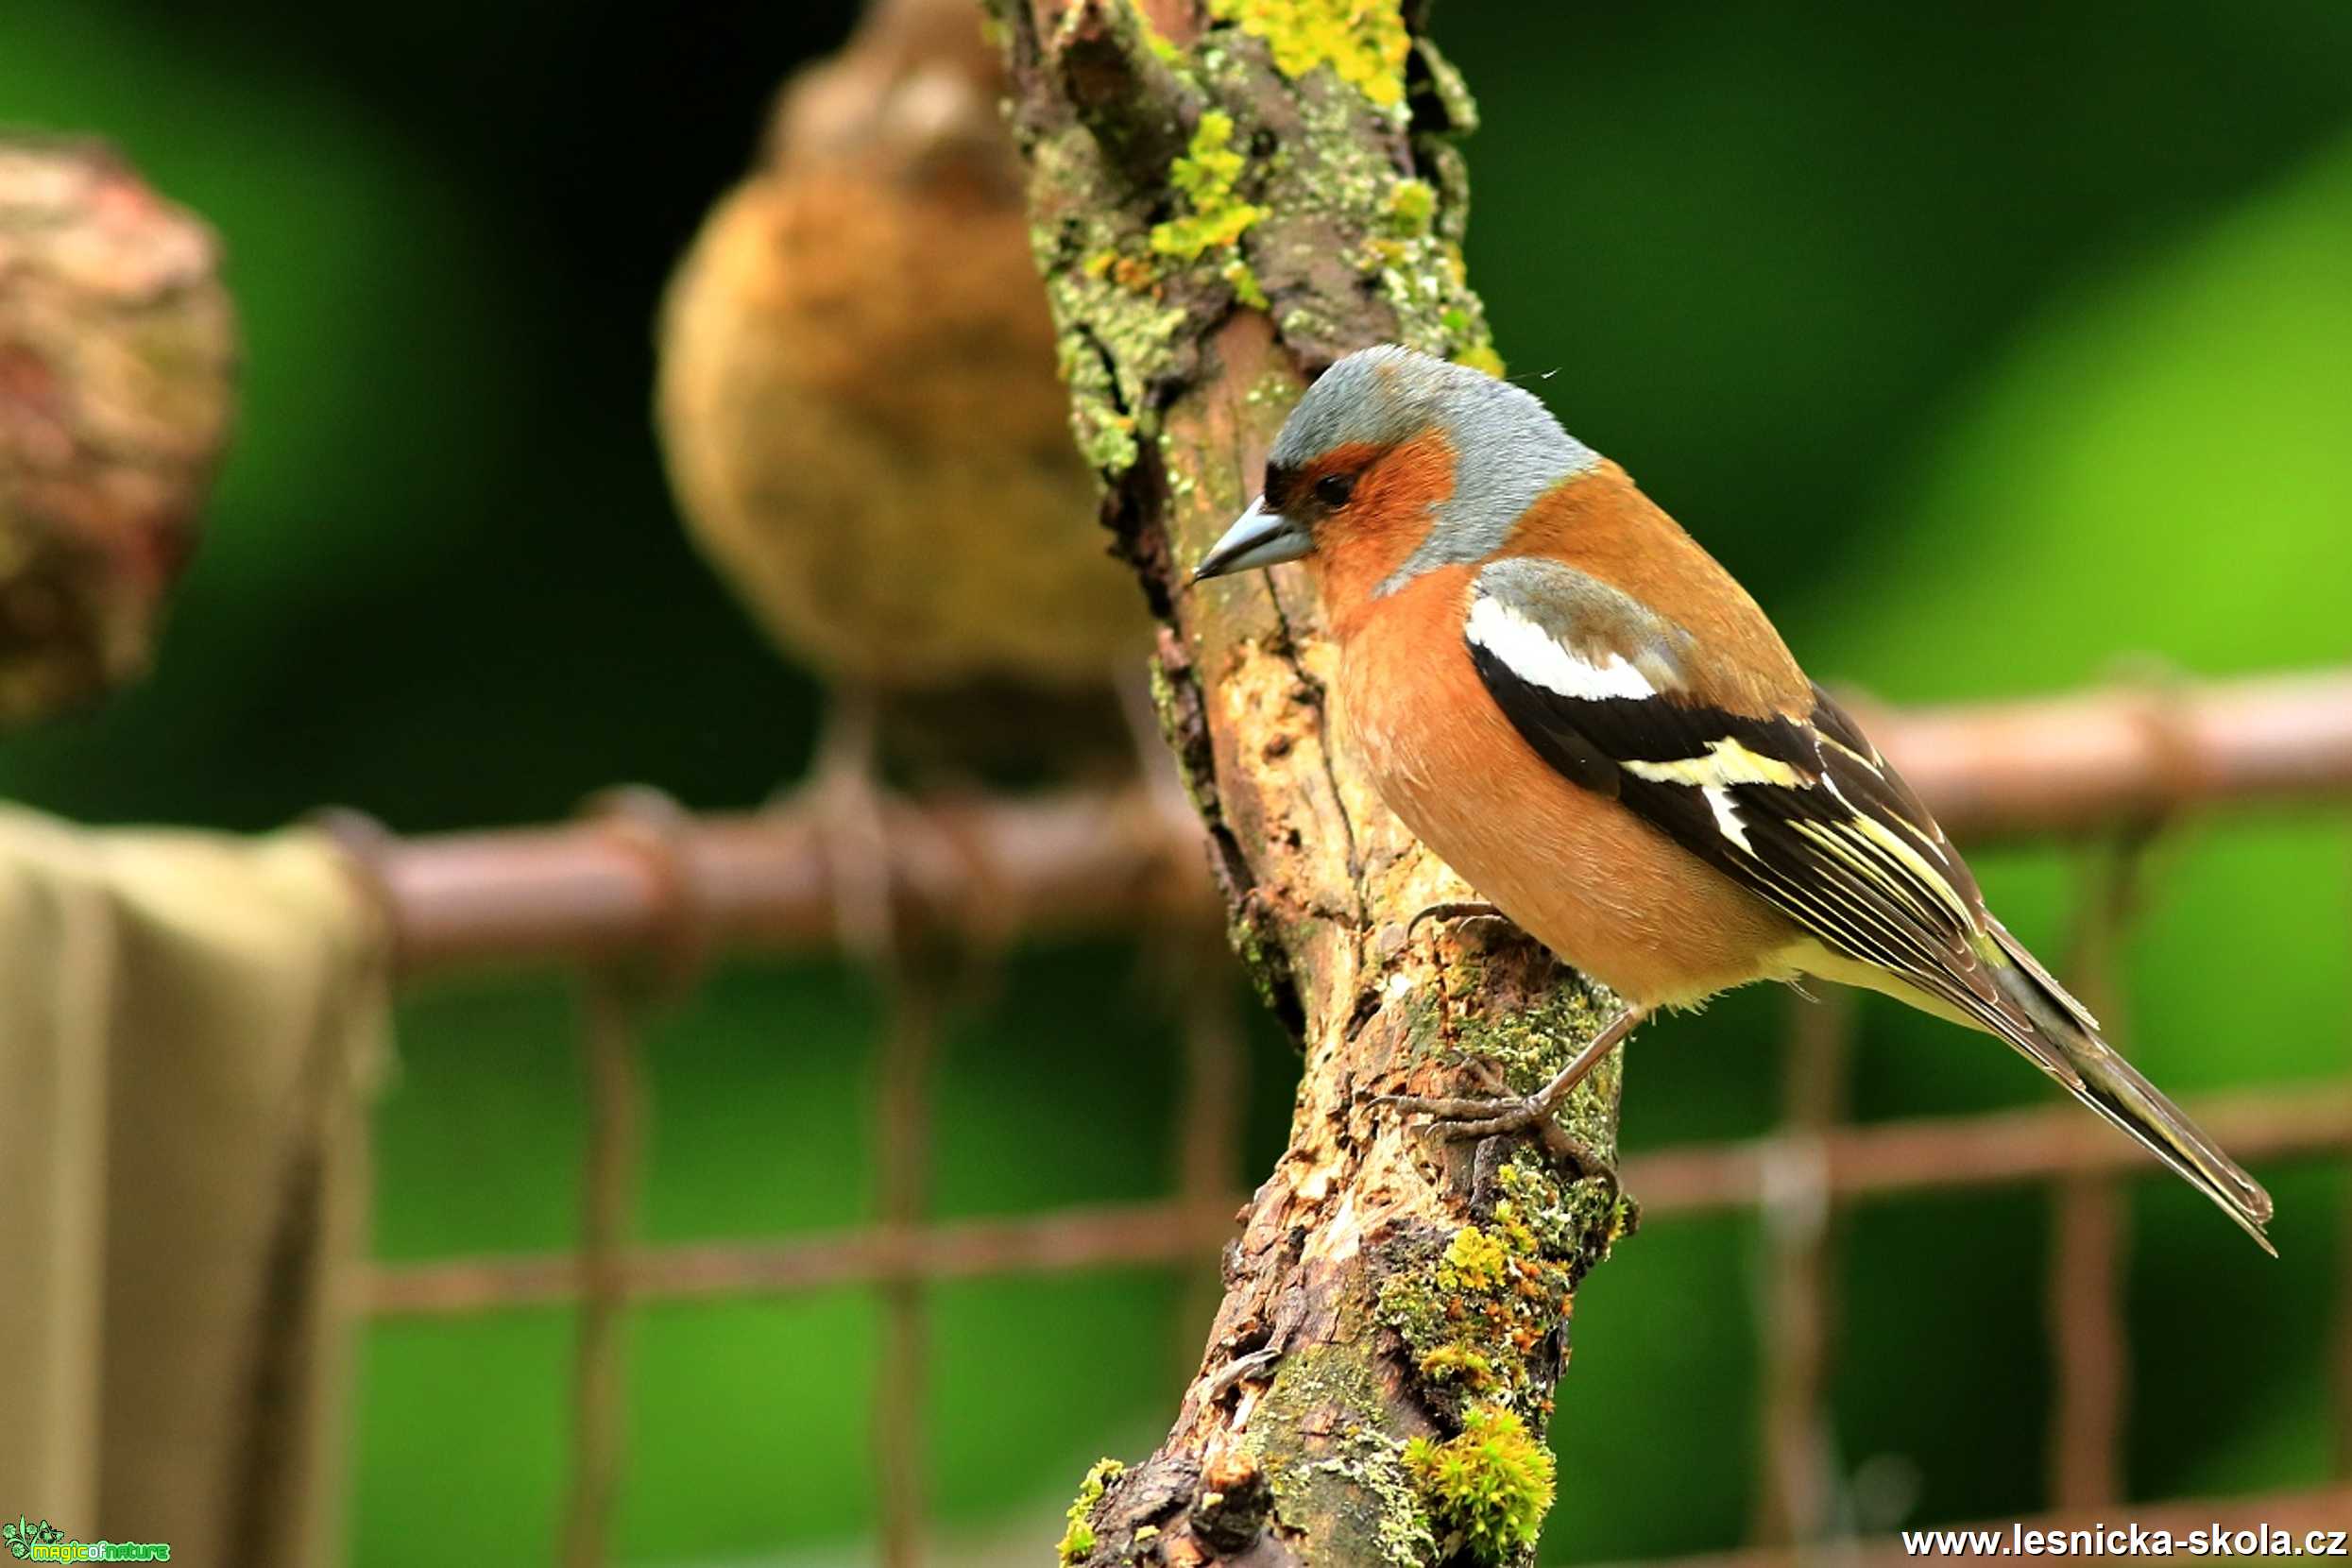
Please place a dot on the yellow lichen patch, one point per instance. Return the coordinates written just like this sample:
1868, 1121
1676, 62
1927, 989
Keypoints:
1161, 49
1459, 1364
1481, 356
1206, 175
1363, 41
1412, 206
1477, 1317
1243, 279
1489, 1488
1080, 1537
1473, 1261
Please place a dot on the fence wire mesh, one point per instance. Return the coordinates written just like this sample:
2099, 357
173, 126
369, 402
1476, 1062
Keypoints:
1082, 859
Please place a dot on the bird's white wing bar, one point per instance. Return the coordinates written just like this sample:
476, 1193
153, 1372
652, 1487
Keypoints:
1804, 812
1727, 762
1534, 655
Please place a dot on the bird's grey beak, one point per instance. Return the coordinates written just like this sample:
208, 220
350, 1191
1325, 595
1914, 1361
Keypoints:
1258, 537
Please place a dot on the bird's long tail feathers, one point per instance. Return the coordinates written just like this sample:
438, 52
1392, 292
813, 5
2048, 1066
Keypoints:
2102, 1080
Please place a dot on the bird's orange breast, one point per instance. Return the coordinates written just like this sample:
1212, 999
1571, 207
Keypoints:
1611, 896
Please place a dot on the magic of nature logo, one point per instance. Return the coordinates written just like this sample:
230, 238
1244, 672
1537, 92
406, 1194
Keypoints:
38, 1540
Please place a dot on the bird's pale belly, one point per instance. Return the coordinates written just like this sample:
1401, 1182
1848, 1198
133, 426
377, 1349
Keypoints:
1658, 926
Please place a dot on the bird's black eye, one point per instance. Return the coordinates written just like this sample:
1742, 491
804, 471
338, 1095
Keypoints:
1332, 489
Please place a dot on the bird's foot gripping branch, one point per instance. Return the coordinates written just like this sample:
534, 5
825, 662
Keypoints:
1227, 196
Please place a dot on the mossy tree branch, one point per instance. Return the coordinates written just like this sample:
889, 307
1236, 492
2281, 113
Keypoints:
1228, 194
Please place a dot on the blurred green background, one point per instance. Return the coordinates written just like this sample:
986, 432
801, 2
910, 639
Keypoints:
1988, 343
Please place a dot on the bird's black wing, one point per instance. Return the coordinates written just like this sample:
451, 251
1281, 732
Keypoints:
1801, 811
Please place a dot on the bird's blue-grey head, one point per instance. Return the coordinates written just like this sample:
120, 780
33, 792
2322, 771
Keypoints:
1508, 451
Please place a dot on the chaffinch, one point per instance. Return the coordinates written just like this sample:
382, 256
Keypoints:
1577, 708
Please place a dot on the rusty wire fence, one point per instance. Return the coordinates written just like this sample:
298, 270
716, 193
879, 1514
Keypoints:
640, 897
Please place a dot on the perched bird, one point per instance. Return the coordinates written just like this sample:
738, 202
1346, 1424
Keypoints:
860, 410
1577, 708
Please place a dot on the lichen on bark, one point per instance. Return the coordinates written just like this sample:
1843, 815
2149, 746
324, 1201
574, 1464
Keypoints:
1226, 196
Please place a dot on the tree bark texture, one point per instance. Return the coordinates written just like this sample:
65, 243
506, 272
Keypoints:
117, 349
1227, 194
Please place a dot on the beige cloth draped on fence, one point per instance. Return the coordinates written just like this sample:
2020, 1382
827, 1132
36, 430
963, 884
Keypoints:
190, 1026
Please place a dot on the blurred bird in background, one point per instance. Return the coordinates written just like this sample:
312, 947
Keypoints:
859, 406
860, 410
